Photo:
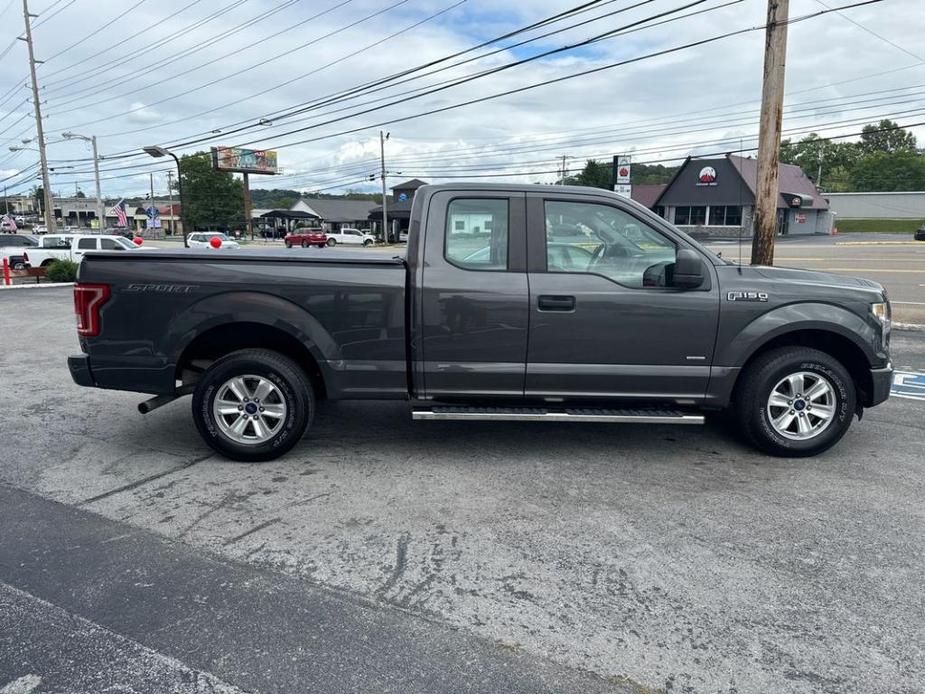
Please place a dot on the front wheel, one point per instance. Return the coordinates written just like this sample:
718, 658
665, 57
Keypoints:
305, 244
795, 402
253, 405
367, 242
288, 245
332, 242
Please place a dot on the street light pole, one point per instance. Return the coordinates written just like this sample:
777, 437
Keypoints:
157, 151
100, 212
49, 207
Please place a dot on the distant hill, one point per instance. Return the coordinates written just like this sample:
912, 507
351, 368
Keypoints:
281, 198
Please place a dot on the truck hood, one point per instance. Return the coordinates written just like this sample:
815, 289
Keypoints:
798, 275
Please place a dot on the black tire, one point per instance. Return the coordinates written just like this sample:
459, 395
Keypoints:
288, 245
750, 404
284, 373
321, 245
367, 242
332, 242
48, 262
305, 244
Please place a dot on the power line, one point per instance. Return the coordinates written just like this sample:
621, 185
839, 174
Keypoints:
95, 88
297, 78
238, 72
535, 85
93, 72
93, 33
55, 13
872, 32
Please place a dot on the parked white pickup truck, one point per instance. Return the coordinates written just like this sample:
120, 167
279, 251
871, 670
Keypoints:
72, 247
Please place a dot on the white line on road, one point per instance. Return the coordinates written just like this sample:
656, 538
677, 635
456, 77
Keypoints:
23, 685
909, 303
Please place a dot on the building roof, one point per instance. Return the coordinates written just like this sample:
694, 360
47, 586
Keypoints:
397, 209
413, 184
792, 181
339, 210
289, 214
647, 193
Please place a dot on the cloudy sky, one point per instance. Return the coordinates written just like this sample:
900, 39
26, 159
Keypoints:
191, 74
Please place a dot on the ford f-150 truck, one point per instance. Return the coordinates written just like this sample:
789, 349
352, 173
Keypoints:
512, 302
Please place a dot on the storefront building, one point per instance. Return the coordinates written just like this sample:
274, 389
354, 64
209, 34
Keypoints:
716, 197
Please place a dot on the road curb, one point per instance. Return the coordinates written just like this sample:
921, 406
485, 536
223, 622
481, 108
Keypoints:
878, 243
46, 285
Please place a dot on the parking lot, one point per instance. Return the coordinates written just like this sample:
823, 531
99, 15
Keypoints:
467, 556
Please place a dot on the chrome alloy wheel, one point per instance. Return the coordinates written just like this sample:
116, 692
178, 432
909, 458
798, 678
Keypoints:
249, 409
801, 406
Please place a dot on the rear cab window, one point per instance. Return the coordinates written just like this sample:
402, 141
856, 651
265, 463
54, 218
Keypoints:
476, 235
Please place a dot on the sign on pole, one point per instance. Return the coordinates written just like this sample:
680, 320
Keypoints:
622, 170
240, 160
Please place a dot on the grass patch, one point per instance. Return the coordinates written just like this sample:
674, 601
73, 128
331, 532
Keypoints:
900, 226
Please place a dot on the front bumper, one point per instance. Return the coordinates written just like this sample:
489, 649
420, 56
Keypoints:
881, 382
79, 367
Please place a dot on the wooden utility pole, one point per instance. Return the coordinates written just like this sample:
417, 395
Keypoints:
383, 136
46, 186
772, 106
248, 211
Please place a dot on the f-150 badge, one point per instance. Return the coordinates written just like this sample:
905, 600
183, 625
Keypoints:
746, 296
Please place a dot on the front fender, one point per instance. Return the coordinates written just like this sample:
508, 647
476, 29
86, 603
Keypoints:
736, 347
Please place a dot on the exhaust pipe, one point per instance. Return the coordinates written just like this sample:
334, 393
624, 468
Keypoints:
161, 400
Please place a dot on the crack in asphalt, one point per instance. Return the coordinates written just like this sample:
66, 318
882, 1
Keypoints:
140, 483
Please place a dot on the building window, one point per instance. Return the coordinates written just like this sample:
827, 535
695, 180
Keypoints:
725, 215
690, 215
659, 210
460, 225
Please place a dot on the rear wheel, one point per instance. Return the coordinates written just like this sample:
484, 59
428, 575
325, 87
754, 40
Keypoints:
367, 242
305, 244
795, 402
288, 245
253, 405
332, 242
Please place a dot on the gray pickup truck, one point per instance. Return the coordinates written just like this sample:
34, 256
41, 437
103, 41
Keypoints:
512, 302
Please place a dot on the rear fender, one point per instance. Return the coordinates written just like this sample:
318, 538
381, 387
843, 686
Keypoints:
252, 307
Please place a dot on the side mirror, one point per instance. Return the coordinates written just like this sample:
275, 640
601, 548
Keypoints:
688, 270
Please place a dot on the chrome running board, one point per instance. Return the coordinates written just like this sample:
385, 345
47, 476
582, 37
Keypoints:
538, 414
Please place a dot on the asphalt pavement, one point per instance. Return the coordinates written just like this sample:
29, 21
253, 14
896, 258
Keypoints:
508, 557
894, 260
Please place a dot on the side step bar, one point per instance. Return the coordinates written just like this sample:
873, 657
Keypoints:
539, 414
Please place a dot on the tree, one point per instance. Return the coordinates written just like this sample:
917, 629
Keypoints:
886, 171
886, 136
594, 175
210, 198
80, 194
816, 156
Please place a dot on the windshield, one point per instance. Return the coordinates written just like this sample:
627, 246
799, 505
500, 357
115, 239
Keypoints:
223, 237
125, 243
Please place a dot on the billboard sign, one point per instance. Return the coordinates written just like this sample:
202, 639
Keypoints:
240, 160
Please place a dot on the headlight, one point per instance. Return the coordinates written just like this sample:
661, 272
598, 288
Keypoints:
882, 312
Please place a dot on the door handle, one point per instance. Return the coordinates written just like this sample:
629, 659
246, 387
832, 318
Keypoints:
556, 303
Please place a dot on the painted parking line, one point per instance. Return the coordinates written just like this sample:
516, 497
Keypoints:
908, 384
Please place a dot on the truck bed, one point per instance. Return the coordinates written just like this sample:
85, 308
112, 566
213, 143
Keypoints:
171, 307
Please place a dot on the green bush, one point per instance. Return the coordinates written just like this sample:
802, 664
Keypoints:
62, 271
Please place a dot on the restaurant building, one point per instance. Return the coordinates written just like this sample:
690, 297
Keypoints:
716, 196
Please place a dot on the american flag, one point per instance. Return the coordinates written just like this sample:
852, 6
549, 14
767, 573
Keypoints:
119, 211
9, 223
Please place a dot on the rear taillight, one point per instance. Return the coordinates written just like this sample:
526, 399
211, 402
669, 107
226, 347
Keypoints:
88, 300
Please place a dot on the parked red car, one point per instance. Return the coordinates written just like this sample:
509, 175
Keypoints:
306, 238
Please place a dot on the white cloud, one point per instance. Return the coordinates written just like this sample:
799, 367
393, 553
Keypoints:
695, 99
